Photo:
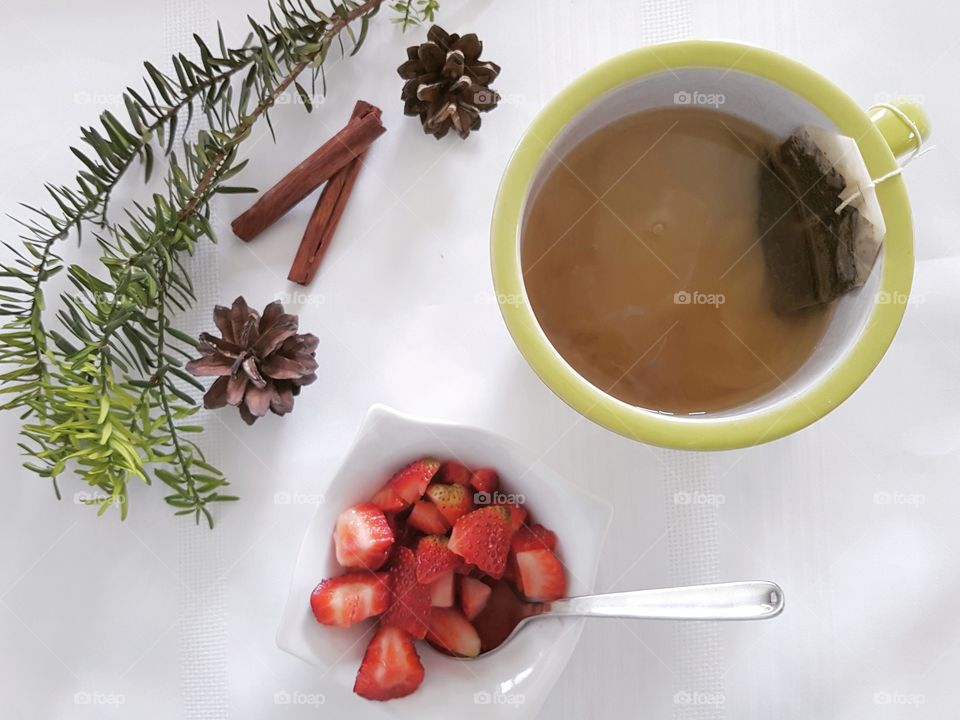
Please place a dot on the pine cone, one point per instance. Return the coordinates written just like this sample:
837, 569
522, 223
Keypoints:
260, 362
447, 84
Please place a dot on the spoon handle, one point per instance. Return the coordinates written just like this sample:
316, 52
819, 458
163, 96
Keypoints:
721, 601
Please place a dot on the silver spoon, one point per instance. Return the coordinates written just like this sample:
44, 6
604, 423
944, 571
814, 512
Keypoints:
754, 600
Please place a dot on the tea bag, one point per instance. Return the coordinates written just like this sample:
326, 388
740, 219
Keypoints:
820, 223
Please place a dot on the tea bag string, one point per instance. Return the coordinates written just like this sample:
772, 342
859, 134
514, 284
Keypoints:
918, 150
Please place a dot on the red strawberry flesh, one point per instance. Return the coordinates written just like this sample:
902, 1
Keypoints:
518, 514
390, 668
453, 501
540, 575
474, 595
362, 537
533, 537
427, 519
434, 558
346, 600
483, 539
451, 632
410, 605
454, 473
485, 480
411, 482
442, 591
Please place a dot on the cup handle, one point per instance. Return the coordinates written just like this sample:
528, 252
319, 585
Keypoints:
899, 133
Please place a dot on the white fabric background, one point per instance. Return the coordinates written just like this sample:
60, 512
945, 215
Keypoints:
855, 517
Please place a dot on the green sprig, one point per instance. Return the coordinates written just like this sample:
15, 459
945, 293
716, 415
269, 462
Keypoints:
105, 394
414, 12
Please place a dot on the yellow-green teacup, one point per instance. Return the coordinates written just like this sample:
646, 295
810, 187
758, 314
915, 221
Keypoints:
774, 92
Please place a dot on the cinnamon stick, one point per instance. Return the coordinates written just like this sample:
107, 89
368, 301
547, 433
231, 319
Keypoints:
338, 152
326, 214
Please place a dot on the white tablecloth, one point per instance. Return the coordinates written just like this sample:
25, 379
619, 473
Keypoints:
855, 517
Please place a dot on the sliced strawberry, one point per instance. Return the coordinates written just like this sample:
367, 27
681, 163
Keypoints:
451, 632
453, 501
387, 499
442, 591
410, 605
411, 482
518, 514
390, 668
346, 600
483, 538
533, 537
406, 487
426, 518
473, 596
454, 473
434, 558
485, 480
362, 537
540, 575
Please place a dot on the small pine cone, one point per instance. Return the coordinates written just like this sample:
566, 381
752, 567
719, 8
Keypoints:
447, 84
260, 362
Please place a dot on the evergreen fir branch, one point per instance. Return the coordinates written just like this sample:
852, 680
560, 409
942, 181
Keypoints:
105, 394
414, 12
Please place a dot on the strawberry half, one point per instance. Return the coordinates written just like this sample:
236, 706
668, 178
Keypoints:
390, 668
485, 480
442, 591
427, 519
410, 605
346, 600
386, 499
453, 501
454, 473
518, 514
474, 595
406, 486
362, 537
451, 632
483, 538
434, 558
540, 575
533, 537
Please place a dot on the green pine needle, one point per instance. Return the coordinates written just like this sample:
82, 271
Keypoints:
104, 395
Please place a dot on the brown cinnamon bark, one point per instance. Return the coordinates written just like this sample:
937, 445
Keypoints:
327, 213
335, 154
